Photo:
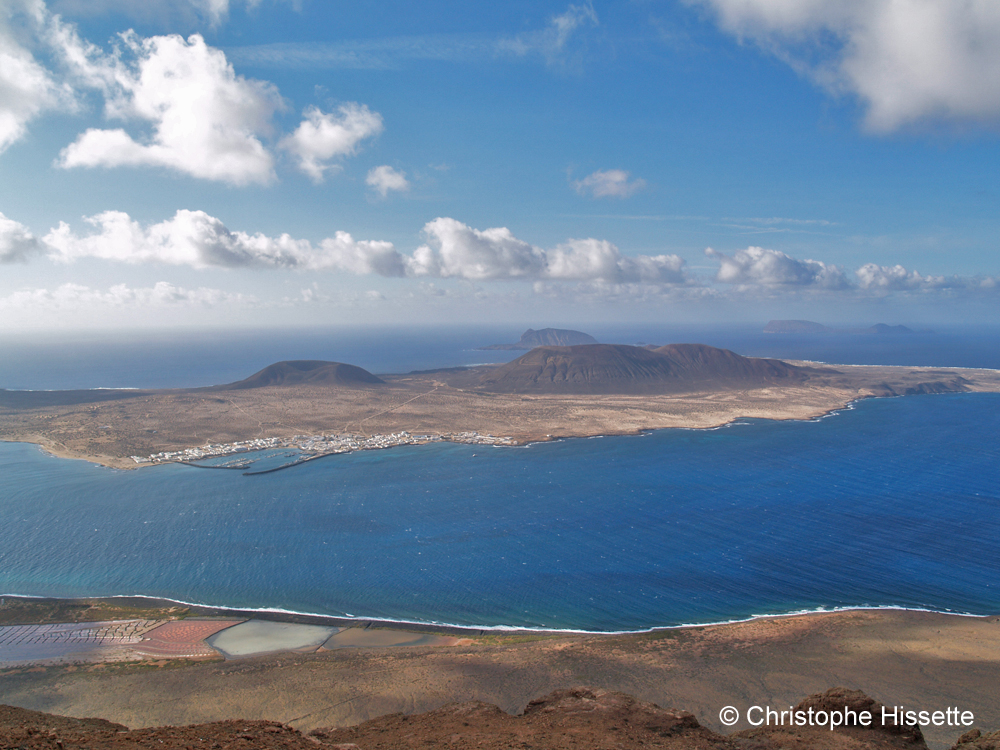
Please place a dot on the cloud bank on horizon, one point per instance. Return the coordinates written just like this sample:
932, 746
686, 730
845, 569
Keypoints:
453, 251
175, 107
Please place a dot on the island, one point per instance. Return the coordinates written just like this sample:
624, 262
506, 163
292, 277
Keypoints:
545, 337
808, 327
549, 392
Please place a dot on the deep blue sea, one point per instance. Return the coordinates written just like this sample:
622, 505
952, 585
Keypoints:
185, 359
895, 502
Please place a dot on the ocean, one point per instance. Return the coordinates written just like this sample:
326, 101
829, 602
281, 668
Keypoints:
187, 359
891, 503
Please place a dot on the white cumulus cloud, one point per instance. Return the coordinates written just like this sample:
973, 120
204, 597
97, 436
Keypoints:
322, 137
587, 268
17, 243
773, 268
27, 88
896, 278
180, 103
457, 250
385, 178
772, 271
590, 259
907, 60
196, 239
205, 120
612, 183
362, 257
454, 250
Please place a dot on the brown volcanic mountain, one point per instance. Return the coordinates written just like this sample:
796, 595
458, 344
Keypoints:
305, 372
616, 368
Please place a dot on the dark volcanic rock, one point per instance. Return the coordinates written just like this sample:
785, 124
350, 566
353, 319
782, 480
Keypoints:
616, 368
700, 361
546, 337
818, 737
579, 718
976, 740
38, 722
305, 372
839, 698
32, 730
575, 719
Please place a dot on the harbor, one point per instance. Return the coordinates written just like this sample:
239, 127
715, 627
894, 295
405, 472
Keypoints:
310, 447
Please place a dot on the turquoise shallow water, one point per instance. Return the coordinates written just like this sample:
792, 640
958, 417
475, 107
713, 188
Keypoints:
893, 503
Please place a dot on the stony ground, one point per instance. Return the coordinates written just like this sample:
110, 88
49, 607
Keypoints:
916, 659
574, 719
109, 426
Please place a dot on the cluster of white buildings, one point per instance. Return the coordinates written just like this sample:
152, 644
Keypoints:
319, 445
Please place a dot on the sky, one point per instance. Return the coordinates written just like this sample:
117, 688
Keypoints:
238, 163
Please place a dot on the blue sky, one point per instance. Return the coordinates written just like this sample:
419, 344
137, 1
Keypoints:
224, 163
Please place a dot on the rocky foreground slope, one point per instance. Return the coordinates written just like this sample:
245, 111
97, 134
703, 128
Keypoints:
577, 719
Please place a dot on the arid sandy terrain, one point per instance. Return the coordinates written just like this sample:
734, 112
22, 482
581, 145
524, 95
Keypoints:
916, 659
109, 426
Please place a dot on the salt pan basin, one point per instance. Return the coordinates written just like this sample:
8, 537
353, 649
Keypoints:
261, 637
378, 638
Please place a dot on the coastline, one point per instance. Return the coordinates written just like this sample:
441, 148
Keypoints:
140, 602
129, 464
690, 421
114, 430
920, 659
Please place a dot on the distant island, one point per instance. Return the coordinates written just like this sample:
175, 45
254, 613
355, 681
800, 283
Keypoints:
320, 408
531, 339
795, 326
809, 327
